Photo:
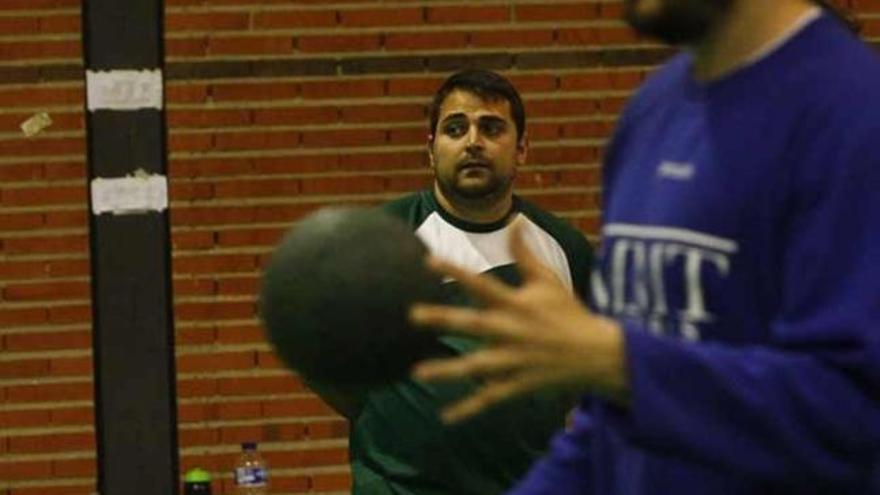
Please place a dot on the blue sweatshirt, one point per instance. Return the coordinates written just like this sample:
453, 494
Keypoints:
741, 253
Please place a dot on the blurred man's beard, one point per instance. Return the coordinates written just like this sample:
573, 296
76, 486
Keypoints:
678, 22
494, 188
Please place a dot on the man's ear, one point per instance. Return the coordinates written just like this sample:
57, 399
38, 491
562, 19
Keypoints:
430, 147
522, 149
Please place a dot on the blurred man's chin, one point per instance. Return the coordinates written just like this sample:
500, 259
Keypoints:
676, 22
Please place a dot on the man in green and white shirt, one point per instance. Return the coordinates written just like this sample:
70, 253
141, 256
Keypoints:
398, 444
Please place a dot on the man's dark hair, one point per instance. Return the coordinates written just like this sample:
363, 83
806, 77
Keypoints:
841, 14
487, 85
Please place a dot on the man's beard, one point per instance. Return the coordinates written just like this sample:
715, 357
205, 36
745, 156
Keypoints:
679, 22
495, 188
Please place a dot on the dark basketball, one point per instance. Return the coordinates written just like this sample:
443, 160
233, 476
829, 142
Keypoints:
336, 294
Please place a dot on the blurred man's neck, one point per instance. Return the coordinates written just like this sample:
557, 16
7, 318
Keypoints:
747, 30
476, 211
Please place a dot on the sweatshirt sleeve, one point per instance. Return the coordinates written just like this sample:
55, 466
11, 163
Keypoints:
805, 407
565, 468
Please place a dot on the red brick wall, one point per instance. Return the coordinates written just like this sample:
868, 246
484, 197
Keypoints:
275, 108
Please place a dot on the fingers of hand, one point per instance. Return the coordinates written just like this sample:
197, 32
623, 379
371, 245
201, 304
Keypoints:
489, 363
491, 394
480, 323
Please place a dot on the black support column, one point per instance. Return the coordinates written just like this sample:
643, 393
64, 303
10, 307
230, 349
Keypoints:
135, 406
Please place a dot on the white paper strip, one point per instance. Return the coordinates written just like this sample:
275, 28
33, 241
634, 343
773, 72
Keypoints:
124, 89
129, 195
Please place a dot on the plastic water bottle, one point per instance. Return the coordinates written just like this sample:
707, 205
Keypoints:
197, 482
251, 472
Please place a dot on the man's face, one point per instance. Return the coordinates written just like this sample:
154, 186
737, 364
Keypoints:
475, 151
677, 22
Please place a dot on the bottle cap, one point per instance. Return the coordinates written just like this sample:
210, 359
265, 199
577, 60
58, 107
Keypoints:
249, 446
197, 475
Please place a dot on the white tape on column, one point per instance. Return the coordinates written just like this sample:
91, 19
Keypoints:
124, 89
129, 195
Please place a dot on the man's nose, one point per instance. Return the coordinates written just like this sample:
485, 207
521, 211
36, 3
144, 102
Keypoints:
474, 138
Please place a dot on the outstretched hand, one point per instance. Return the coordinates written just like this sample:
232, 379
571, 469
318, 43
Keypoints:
538, 336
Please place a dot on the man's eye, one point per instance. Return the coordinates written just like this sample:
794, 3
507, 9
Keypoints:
455, 129
493, 128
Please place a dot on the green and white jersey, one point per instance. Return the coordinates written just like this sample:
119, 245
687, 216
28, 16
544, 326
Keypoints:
397, 443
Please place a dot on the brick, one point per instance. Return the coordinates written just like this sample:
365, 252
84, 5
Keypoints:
512, 38
12, 317
269, 361
302, 407
70, 314
24, 470
301, 115
292, 483
178, 142
341, 138
47, 244
49, 392
195, 336
72, 416
196, 46
20, 172
201, 436
19, 25
238, 286
191, 413
240, 334
338, 43
214, 264
220, 310
414, 86
55, 442
295, 19
39, 50
74, 467
23, 269
412, 135
385, 161
23, 418
343, 185
177, 92
250, 45
190, 191
41, 97
74, 366
563, 107
259, 386
32, 341
192, 363
343, 89
206, 21
238, 410
68, 170
310, 457
199, 387
399, 16
210, 167
192, 240
331, 481
63, 23
328, 429
199, 118
250, 237
461, 15
23, 368
38, 4
68, 219
68, 268
369, 114
254, 91
202, 216
259, 140
428, 40
296, 164
81, 488
556, 12
258, 188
